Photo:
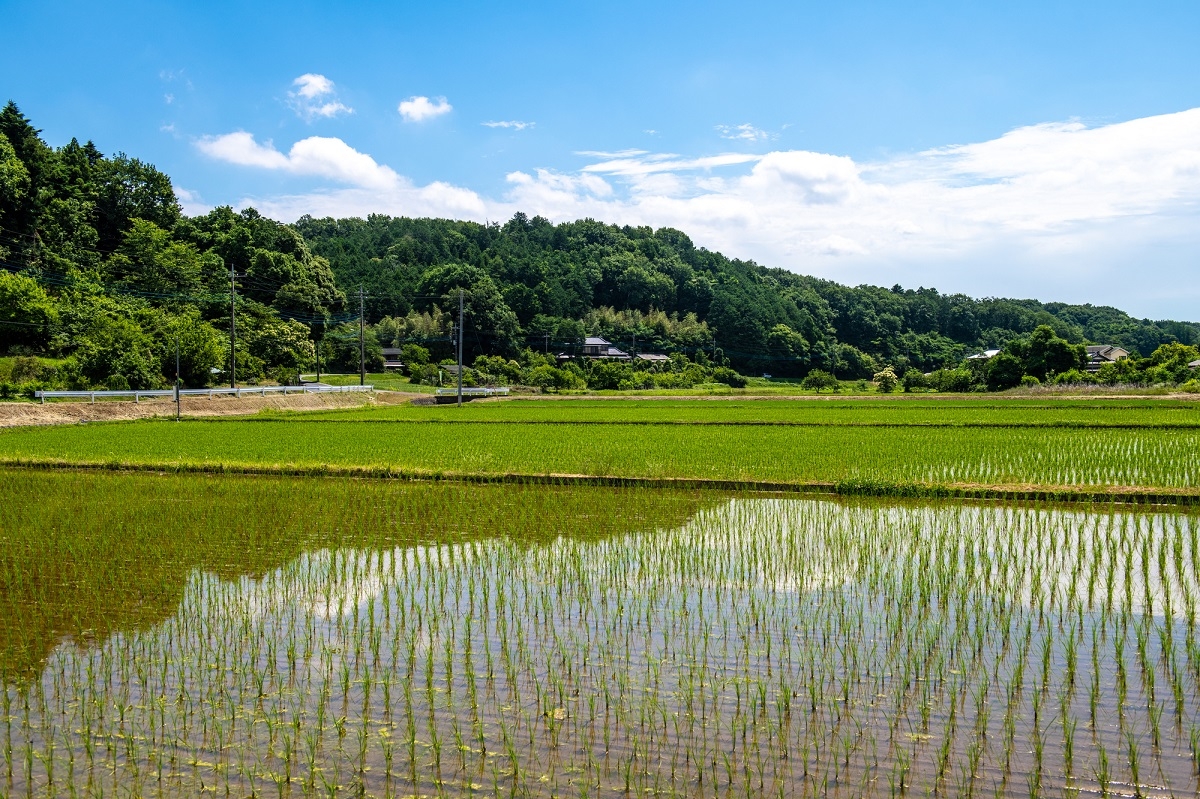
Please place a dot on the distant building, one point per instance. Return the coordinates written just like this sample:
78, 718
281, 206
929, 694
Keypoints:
1194, 364
986, 355
596, 347
653, 357
1100, 354
391, 358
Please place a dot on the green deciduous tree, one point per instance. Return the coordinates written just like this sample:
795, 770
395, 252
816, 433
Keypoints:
27, 313
819, 380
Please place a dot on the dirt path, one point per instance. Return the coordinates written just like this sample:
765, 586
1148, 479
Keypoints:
17, 414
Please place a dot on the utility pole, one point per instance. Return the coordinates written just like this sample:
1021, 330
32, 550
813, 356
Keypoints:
232, 331
633, 349
362, 359
319, 358
177, 414
460, 339
547, 337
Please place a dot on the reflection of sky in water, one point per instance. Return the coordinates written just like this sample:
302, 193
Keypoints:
793, 620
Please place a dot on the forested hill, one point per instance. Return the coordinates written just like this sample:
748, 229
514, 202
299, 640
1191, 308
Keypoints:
540, 279
102, 275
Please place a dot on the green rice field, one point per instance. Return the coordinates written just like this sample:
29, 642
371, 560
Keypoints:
915, 410
1063, 445
200, 634
600, 598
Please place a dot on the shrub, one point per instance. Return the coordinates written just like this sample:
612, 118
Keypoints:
1191, 387
955, 380
723, 374
886, 380
1029, 381
1071, 377
914, 378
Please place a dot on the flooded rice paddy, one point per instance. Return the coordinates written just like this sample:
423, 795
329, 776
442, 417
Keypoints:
180, 636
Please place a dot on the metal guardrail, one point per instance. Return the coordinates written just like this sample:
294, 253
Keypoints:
474, 391
137, 395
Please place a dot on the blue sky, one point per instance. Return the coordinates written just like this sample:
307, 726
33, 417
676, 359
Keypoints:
1020, 149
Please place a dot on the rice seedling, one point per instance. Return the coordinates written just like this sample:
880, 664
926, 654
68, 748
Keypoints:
170, 635
892, 448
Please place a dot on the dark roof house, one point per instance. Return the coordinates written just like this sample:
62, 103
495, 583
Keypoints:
1100, 354
596, 347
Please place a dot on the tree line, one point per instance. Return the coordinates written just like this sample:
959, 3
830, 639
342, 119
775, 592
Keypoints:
103, 277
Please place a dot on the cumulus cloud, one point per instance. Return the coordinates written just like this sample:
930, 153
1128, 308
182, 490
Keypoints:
419, 109
1106, 214
514, 124
744, 132
315, 96
316, 156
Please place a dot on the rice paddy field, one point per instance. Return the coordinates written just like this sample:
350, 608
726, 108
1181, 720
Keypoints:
185, 635
171, 629
1015, 444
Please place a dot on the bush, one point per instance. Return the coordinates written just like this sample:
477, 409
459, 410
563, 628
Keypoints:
952, 380
1029, 381
1191, 387
914, 378
723, 374
1071, 377
886, 380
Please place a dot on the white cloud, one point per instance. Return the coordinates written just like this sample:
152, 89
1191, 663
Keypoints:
637, 162
744, 132
191, 202
1107, 214
315, 96
312, 85
515, 125
419, 109
316, 156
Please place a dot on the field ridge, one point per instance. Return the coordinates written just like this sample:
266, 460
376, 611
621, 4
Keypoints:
1138, 495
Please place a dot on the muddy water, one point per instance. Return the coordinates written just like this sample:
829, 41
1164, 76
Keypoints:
765, 646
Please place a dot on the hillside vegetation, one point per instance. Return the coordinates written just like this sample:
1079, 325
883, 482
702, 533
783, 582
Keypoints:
104, 277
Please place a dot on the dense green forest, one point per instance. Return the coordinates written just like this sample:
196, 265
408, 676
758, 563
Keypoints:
103, 277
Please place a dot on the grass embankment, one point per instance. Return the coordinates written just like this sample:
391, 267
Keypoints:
1094, 451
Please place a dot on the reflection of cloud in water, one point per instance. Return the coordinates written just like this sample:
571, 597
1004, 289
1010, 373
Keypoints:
786, 545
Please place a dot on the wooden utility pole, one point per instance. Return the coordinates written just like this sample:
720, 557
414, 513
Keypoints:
362, 358
460, 343
232, 331
177, 413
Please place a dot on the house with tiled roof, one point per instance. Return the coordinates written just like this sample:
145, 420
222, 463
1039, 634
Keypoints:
1100, 354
